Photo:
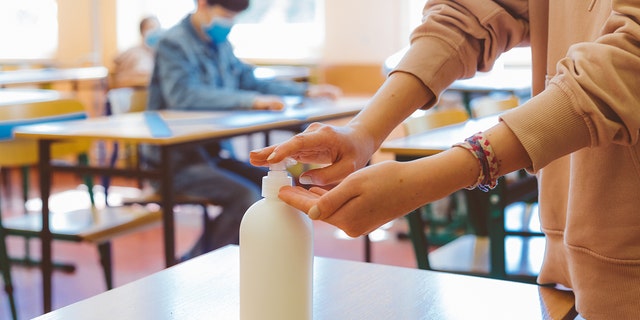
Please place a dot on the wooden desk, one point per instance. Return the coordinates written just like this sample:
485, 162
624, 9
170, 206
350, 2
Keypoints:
437, 140
434, 141
514, 80
20, 96
207, 287
45, 76
187, 128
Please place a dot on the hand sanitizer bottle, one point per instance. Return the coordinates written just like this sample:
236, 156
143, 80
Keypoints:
276, 256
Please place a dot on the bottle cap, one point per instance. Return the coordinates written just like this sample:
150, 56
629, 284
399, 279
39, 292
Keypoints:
276, 178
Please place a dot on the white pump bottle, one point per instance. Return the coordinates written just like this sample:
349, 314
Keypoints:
276, 256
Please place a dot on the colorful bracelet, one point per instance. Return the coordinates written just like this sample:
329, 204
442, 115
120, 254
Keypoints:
480, 147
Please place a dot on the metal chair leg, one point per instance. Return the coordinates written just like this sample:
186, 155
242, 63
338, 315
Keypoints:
104, 249
367, 248
5, 269
419, 239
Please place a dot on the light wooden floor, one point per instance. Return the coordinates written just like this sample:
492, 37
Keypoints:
140, 254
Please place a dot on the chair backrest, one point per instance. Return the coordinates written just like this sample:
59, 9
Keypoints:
123, 100
432, 119
22, 152
492, 104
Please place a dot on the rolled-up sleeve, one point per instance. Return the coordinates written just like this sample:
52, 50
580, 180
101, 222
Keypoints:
458, 38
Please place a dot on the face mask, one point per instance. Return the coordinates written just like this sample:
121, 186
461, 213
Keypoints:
218, 30
152, 38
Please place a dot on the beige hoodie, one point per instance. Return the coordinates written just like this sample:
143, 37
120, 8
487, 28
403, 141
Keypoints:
580, 130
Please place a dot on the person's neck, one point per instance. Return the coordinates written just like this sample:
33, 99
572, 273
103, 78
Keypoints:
197, 22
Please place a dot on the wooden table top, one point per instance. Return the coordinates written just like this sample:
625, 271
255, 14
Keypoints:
207, 287
437, 140
191, 125
499, 79
52, 75
20, 96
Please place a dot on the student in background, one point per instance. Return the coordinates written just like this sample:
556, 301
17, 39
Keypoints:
133, 67
579, 134
196, 69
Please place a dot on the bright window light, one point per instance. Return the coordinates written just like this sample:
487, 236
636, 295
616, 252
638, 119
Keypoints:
280, 30
30, 29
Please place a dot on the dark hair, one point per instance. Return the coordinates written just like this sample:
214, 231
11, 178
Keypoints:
147, 20
232, 5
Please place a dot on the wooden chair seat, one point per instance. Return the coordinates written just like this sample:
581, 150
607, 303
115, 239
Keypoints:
469, 254
156, 198
91, 224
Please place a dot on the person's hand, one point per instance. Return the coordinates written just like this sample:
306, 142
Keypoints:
268, 102
343, 148
323, 91
363, 201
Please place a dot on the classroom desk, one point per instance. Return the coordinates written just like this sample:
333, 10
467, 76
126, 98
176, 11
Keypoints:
512, 79
207, 287
49, 75
20, 96
437, 140
186, 127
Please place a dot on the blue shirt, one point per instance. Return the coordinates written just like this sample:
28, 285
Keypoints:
193, 74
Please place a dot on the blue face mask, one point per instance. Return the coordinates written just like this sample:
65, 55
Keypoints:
218, 30
152, 38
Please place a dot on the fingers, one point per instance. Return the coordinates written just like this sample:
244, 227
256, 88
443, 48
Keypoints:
330, 201
259, 157
299, 198
268, 102
318, 203
301, 147
327, 175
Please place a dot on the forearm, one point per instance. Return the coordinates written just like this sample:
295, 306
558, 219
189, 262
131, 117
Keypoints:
399, 96
457, 168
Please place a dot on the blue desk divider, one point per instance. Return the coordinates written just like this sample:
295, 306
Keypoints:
7, 126
157, 125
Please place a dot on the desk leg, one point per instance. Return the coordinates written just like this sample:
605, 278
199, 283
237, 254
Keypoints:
497, 254
44, 166
166, 191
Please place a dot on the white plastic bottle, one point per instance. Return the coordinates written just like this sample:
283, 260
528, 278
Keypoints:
276, 256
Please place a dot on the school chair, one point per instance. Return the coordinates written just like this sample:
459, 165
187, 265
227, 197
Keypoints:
514, 198
5, 269
124, 100
492, 104
93, 224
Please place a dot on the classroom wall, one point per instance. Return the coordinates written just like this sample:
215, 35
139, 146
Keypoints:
360, 35
86, 32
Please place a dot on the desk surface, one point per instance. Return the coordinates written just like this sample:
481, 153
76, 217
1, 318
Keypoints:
193, 125
20, 96
437, 140
499, 79
30, 76
207, 288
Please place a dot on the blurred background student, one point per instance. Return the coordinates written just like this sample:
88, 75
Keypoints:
196, 69
133, 67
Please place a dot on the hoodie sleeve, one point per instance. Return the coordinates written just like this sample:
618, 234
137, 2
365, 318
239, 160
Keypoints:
458, 38
592, 97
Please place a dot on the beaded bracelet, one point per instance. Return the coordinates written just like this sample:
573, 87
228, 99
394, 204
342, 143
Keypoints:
480, 147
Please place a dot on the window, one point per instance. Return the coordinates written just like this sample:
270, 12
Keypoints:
30, 29
288, 31
280, 30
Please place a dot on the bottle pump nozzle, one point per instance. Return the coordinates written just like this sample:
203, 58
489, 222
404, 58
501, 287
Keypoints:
276, 178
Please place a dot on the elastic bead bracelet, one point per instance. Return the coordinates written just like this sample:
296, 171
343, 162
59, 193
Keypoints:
480, 147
